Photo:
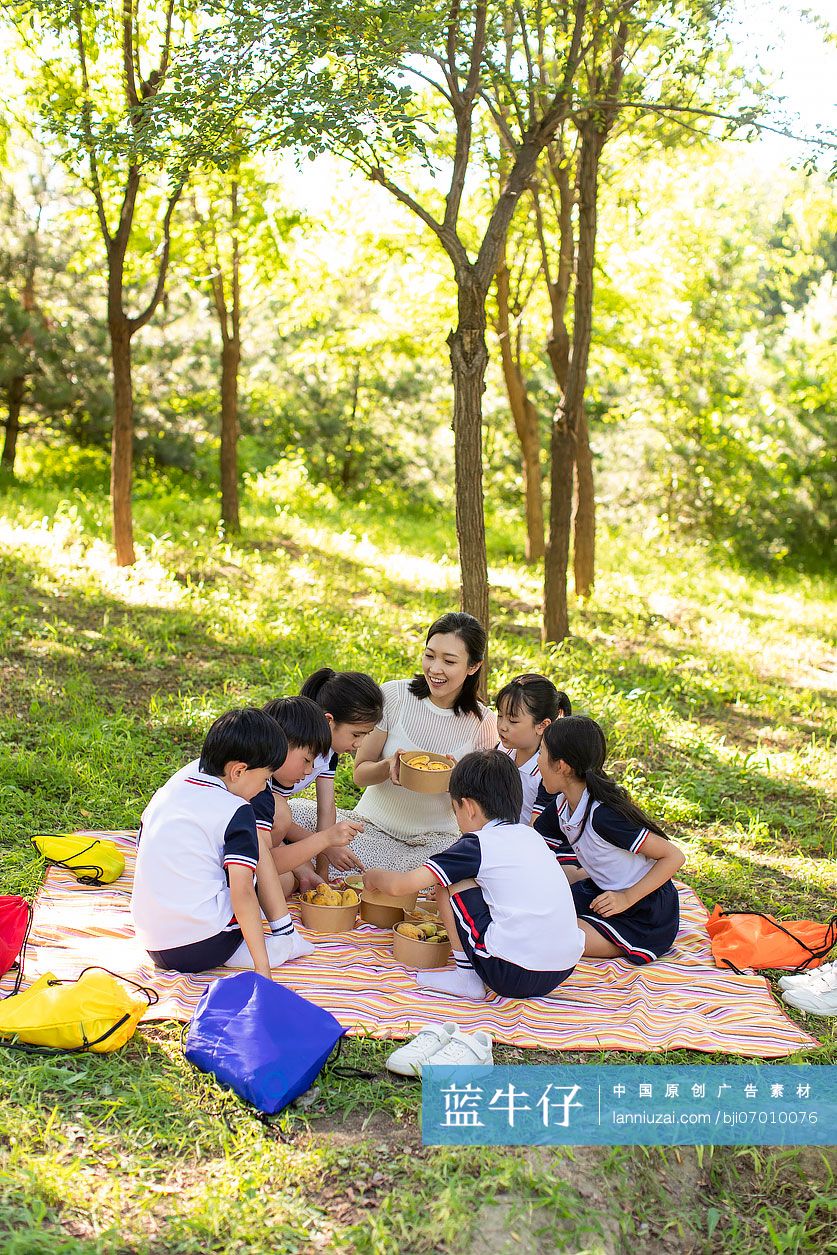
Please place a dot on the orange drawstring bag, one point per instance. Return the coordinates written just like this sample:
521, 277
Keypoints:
742, 939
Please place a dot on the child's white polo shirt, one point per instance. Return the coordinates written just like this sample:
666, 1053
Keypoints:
324, 765
192, 830
606, 844
530, 778
533, 919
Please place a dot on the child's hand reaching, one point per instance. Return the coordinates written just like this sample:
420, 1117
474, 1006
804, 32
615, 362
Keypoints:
340, 836
344, 833
343, 860
373, 878
614, 902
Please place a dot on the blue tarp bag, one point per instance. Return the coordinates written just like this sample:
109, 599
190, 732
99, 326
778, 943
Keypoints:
262, 1040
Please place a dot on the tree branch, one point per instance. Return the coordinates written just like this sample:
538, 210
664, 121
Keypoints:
530, 90
134, 324
463, 108
128, 53
740, 120
88, 130
410, 69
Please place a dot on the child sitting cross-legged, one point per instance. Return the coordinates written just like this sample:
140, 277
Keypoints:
626, 901
502, 897
194, 903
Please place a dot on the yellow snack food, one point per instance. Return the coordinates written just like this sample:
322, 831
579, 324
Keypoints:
422, 762
324, 896
410, 930
349, 897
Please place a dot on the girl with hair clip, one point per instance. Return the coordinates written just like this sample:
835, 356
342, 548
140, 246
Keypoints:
526, 706
626, 903
352, 704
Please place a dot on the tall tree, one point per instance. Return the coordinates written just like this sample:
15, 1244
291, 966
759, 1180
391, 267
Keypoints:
99, 69
463, 60
231, 237
132, 93
513, 290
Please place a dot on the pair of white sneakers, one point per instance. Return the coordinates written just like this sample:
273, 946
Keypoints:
814, 991
441, 1043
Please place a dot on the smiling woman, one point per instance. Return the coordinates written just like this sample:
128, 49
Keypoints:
437, 711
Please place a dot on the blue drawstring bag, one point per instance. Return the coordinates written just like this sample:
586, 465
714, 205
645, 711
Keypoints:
262, 1040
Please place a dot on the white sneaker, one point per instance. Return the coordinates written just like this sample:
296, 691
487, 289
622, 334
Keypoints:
473, 1048
825, 974
817, 1001
407, 1060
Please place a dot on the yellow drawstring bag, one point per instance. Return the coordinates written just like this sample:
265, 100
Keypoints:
93, 860
95, 1012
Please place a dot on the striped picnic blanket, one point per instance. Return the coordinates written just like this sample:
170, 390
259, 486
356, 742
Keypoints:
681, 1002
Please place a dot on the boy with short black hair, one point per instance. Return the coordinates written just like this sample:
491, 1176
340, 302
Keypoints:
310, 755
194, 902
501, 895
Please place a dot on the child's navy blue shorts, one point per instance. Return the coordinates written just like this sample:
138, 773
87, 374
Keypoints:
200, 956
472, 915
643, 933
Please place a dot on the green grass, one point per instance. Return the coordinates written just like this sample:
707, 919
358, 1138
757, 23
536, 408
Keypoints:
713, 686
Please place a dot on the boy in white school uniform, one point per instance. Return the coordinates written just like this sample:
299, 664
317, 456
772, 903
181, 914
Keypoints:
501, 895
195, 901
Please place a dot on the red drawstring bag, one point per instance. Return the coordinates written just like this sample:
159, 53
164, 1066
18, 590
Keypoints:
15, 920
749, 939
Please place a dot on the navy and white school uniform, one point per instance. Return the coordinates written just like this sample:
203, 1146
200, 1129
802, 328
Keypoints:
325, 766
264, 803
609, 848
193, 830
518, 927
535, 796
548, 826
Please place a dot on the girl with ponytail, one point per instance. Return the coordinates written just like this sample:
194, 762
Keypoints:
352, 704
624, 897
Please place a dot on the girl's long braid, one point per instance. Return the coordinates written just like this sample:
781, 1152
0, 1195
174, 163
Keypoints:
581, 744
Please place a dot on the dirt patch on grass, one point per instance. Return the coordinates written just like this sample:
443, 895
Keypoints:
349, 1128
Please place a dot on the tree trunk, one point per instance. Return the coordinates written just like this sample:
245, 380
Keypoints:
526, 424
122, 443
556, 623
569, 416
14, 400
230, 361
469, 361
584, 531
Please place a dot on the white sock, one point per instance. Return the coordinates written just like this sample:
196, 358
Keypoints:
281, 927
462, 982
299, 946
279, 950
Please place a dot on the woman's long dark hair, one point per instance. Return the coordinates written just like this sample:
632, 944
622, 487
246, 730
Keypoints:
473, 635
581, 744
348, 696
